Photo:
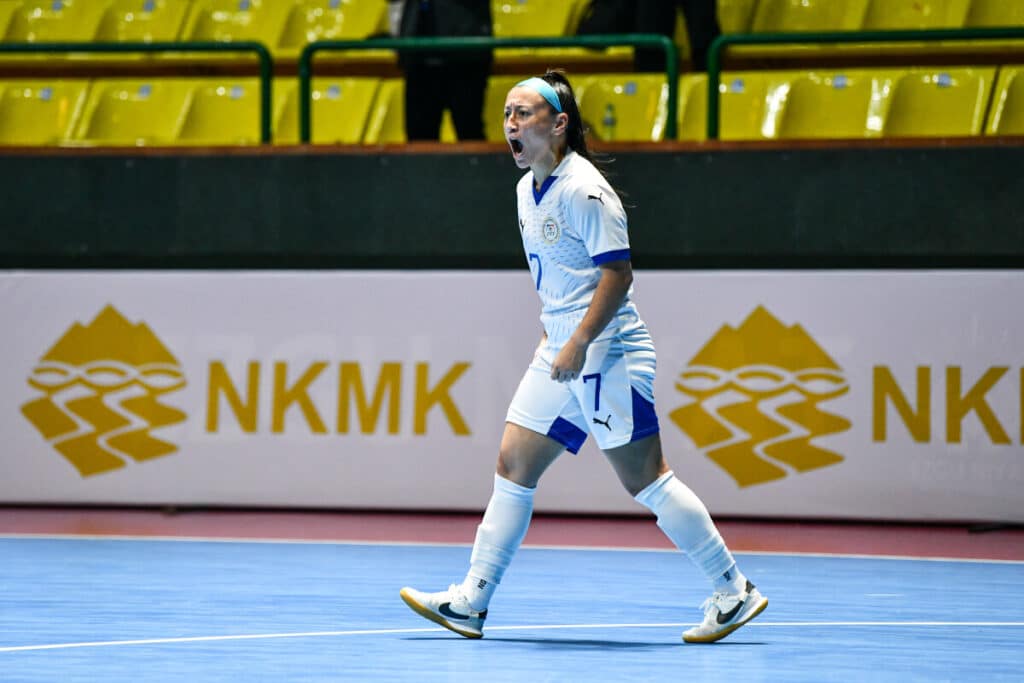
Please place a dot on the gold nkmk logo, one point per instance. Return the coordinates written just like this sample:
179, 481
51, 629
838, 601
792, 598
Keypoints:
755, 393
100, 387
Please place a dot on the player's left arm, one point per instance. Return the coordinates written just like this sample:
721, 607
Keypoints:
616, 277
598, 215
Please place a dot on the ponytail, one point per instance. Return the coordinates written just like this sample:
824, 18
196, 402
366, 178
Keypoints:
575, 131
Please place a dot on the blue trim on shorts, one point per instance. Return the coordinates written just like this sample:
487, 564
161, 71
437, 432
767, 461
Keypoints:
609, 256
645, 420
567, 434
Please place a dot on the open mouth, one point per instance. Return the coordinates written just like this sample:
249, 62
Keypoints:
516, 146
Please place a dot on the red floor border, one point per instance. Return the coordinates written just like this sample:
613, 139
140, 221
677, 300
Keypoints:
955, 541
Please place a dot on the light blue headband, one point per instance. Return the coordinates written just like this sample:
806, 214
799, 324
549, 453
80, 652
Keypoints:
545, 90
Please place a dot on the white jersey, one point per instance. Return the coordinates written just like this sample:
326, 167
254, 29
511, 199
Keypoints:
572, 225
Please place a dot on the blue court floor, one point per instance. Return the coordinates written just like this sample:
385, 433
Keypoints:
100, 609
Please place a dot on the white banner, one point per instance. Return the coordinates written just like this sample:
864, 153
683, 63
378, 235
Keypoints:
880, 395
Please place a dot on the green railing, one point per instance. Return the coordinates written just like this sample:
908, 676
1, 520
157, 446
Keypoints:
266, 62
469, 44
835, 37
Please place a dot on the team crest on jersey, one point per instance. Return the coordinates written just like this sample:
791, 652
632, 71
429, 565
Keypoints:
551, 230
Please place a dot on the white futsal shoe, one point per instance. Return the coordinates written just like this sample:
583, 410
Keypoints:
449, 608
724, 613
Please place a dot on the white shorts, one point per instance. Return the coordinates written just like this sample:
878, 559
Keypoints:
613, 398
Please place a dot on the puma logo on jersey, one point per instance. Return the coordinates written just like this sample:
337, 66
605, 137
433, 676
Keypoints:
599, 197
606, 422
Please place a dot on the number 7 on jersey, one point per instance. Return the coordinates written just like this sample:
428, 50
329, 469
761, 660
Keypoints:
536, 257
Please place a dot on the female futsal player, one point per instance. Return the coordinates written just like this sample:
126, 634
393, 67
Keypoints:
593, 372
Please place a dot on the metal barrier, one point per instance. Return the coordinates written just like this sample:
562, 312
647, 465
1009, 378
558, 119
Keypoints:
834, 37
263, 54
469, 44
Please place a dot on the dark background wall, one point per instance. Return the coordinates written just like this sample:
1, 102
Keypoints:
930, 205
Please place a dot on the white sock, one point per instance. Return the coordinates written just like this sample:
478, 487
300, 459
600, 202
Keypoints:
497, 539
731, 581
478, 591
685, 520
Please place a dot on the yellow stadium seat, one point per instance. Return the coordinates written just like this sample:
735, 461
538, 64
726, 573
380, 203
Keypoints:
623, 106
134, 112
386, 124
939, 102
534, 18
808, 15
783, 16
915, 14
312, 20
40, 112
988, 13
448, 133
35, 21
238, 20
745, 110
142, 21
224, 112
849, 104
681, 38
546, 19
692, 111
1007, 113
340, 110
494, 106
736, 16
579, 10
7, 10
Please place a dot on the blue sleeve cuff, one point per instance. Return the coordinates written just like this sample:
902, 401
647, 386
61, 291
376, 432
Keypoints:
608, 256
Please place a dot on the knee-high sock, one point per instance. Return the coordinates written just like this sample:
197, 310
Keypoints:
498, 536
685, 520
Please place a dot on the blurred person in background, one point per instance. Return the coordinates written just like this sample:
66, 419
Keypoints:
656, 16
592, 373
435, 81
